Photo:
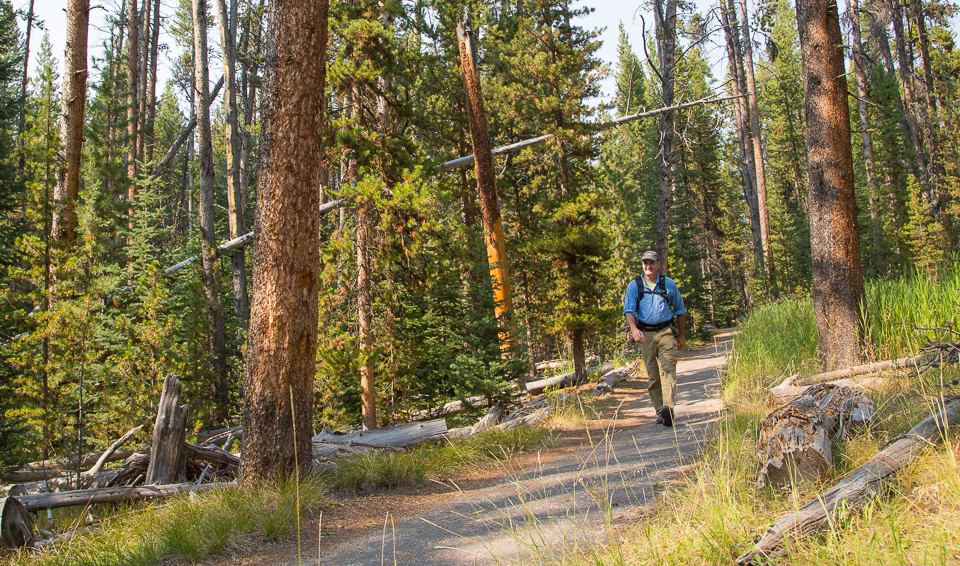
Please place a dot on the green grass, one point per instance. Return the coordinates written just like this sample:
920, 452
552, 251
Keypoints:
191, 527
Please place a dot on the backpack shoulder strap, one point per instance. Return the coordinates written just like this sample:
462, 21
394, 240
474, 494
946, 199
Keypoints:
641, 288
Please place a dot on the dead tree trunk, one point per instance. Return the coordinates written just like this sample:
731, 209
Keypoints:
133, 30
487, 187
761, 175
860, 63
796, 440
72, 106
838, 295
151, 118
208, 237
666, 18
228, 38
166, 453
728, 18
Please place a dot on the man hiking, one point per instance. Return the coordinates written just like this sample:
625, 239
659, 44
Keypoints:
650, 305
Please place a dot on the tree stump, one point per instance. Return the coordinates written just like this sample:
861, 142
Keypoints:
16, 526
167, 456
796, 440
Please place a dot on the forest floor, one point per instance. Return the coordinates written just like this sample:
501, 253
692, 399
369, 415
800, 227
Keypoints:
569, 496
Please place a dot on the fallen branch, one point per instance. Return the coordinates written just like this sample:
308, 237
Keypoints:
610, 379
37, 471
856, 489
396, 437
109, 452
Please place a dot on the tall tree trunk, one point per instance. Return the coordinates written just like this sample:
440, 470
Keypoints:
761, 175
368, 391
144, 76
666, 19
133, 29
72, 104
933, 168
487, 187
860, 63
281, 352
208, 237
905, 66
152, 84
21, 124
228, 38
728, 18
838, 293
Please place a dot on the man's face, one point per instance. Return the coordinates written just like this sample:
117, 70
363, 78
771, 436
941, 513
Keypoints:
650, 269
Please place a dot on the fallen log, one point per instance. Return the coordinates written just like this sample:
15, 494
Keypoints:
134, 467
610, 379
875, 367
111, 495
396, 437
166, 453
538, 387
213, 455
214, 436
854, 491
37, 471
796, 440
16, 526
493, 416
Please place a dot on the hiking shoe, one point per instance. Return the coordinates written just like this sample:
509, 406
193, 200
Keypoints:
659, 419
666, 416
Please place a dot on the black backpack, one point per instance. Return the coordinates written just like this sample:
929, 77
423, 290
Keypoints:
643, 290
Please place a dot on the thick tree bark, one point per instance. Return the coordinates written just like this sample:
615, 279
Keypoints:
72, 106
228, 38
761, 175
281, 352
838, 292
666, 19
728, 18
860, 63
487, 187
208, 237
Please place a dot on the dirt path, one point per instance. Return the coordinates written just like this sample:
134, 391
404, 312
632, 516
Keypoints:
539, 507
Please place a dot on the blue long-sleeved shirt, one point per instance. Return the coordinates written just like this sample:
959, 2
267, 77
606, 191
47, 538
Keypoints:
652, 309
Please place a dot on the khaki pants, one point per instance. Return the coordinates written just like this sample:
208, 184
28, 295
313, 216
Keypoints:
659, 351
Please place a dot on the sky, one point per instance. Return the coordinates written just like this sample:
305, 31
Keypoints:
607, 14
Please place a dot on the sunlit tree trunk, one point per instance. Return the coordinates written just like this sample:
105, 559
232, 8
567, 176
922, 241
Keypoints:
838, 292
73, 101
281, 351
133, 30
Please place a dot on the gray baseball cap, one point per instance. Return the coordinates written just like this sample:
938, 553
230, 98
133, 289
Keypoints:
650, 255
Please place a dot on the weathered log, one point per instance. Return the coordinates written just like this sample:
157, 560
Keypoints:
134, 466
491, 418
62, 483
16, 526
37, 471
166, 453
110, 495
610, 379
538, 387
796, 440
902, 363
854, 491
397, 437
213, 455
533, 419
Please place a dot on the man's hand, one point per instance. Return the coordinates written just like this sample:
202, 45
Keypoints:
682, 341
637, 335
